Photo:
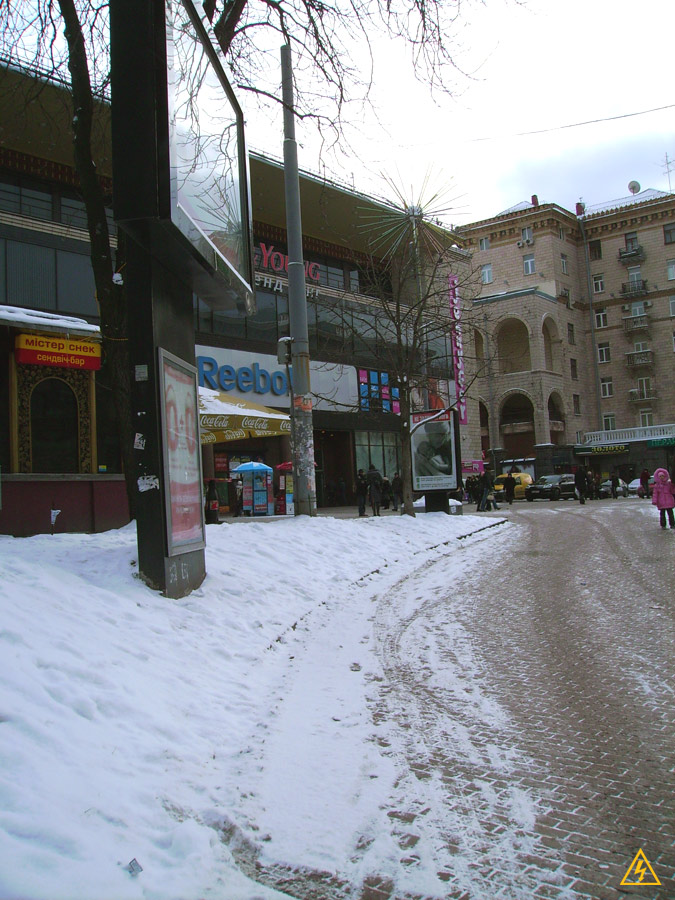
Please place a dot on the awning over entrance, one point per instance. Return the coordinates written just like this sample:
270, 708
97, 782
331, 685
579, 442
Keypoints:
223, 418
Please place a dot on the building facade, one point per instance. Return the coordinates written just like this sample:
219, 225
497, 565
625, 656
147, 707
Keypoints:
576, 353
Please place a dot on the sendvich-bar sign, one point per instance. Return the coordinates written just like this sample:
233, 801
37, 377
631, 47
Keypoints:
43, 350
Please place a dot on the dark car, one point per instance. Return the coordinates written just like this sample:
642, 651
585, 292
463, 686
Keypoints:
551, 487
605, 489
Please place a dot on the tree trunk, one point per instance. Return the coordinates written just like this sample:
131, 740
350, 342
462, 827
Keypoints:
111, 297
406, 455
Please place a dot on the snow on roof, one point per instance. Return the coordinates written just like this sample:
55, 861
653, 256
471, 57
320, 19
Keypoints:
40, 320
519, 207
641, 197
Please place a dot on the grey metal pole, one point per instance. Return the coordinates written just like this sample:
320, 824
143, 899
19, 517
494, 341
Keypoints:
304, 487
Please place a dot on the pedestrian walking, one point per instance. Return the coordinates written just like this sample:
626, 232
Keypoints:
386, 492
509, 488
615, 485
374, 481
361, 491
663, 497
644, 483
580, 484
397, 491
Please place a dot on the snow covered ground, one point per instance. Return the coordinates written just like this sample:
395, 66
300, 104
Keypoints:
183, 734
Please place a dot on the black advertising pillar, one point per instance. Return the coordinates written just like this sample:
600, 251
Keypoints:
161, 318
181, 194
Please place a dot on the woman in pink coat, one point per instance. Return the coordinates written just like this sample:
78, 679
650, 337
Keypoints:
663, 497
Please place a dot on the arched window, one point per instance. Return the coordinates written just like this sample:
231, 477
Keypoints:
54, 427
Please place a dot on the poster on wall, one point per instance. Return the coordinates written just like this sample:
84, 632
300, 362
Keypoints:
182, 454
433, 451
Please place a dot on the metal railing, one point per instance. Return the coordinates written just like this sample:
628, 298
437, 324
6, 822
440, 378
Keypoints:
639, 358
627, 435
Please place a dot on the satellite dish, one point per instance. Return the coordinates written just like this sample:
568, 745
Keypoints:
634, 186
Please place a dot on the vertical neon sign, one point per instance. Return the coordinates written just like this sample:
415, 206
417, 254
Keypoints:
457, 347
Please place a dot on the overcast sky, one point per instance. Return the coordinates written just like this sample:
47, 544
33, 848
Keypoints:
536, 65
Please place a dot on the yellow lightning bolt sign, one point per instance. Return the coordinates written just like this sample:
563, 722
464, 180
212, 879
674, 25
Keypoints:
638, 869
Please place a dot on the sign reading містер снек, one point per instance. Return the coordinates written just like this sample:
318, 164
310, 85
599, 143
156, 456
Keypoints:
43, 350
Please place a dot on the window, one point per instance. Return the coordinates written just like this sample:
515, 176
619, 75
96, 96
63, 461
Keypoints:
609, 422
595, 250
573, 370
606, 387
580, 437
603, 352
484, 243
635, 275
669, 234
646, 418
54, 427
598, 283
672, 305
561, 233
486, 273
631, 240
527, 234
570, 333
644, 387
671, 269
528, 264
640, 346
637, 308
376, 393
576, 404
563, 264
601, 318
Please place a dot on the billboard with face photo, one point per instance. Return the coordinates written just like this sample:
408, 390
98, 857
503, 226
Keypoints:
433, 451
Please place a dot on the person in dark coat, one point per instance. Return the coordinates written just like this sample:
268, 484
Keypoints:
397, 491
509, 488
644, 483
361, 491
386, 492
580, 484
374, 480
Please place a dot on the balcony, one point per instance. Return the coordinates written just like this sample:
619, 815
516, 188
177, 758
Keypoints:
629, 256
631, 324
627, 435
640, 395
635, 288
639, 358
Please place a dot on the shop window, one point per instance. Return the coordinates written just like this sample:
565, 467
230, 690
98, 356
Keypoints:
376, 393
75, 287
54, 427
263, 325
31, 275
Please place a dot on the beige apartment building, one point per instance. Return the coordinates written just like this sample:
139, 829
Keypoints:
574, 346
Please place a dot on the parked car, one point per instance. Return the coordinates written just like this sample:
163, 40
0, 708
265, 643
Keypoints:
635, 487
551, 487
522, 481
606, 488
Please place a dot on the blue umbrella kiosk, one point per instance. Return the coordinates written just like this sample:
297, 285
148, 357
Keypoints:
258, 499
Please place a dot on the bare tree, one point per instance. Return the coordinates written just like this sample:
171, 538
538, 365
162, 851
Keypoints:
404, 324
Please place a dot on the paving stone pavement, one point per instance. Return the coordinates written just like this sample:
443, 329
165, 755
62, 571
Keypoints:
571, 616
